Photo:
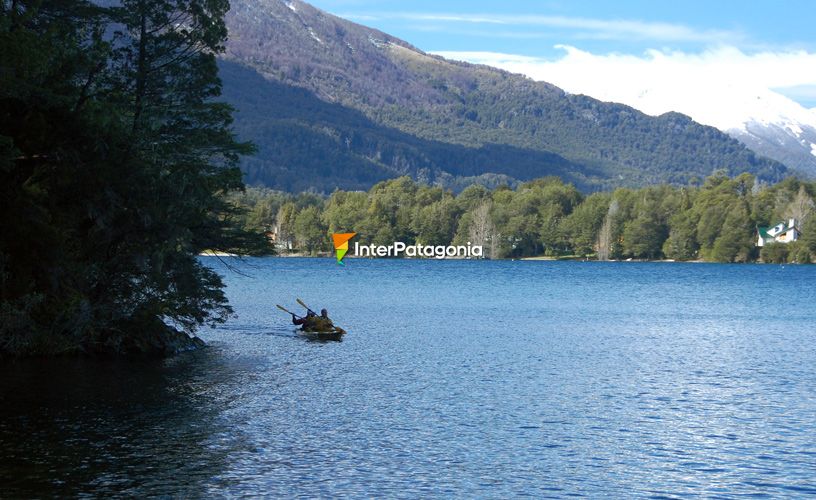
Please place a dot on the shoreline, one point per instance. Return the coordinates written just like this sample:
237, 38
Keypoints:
536, 258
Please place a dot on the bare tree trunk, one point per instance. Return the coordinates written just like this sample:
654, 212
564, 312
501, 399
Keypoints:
493, 249
482, 228
605, 235
801, 207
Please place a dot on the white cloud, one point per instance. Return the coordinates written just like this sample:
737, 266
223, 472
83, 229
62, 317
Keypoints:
583, 27
722, 87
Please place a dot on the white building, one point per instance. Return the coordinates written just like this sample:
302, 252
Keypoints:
784, 232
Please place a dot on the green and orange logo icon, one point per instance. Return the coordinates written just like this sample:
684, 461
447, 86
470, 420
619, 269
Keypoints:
341, 245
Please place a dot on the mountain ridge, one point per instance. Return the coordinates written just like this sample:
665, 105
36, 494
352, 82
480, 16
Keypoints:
400, 100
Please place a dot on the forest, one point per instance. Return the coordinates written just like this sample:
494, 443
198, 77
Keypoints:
716, 221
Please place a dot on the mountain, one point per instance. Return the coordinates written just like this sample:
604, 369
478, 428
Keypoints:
779, 128
331, 103
306, 143
791, 143
767, 122
763, 119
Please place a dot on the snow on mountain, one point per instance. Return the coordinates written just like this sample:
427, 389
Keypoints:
723, 88
765, 121
762, 119
787, 140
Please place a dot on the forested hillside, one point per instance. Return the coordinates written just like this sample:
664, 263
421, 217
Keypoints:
373, 106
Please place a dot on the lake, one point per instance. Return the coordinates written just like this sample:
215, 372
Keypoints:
457, 378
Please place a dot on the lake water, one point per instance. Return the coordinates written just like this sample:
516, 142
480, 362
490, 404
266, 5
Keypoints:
457, 378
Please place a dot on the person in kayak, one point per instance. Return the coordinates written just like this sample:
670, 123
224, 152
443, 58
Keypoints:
304, 320
314, 323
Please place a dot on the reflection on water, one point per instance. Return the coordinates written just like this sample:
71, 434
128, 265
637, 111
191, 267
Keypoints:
70, 426
457, 378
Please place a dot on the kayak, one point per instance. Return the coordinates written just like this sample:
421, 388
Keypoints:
335, 333
322, 328
314, 325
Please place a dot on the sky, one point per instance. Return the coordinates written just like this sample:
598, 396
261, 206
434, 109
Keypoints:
748, 57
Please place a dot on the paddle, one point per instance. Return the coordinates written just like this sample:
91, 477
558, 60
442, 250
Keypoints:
307, 307
286, 311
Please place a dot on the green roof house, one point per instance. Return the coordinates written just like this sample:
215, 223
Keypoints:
784, 232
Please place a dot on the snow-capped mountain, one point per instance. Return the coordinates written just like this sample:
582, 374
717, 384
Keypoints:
723, 88
764, 120
767, 122
790, 143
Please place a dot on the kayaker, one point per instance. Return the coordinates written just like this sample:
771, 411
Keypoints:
322, 323
306, 320
314, 323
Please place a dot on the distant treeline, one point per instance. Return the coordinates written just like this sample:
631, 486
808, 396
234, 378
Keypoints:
714, 222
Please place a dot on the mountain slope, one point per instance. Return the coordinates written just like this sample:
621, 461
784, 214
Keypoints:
780, 129
793, 146
306, 143
770, 124
379, 107
767, 122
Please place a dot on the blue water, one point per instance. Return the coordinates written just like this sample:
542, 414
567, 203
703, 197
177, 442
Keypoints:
457, 378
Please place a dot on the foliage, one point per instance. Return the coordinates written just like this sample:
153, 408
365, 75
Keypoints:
775, 253
114, 161
309, 229
715, 222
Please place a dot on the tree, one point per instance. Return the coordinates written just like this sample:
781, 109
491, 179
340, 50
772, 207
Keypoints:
482, 231
472, 196
390, 212
605, 235
735, 241
798, 253
476, 227
801, 207
774, 253
644, 237
435, 224
262, 215
557, 202
583, 225
682, 241
116, 156
809, 234
285, 225
310, 233
345, 212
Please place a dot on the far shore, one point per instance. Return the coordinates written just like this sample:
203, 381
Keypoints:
571, 258
584, 259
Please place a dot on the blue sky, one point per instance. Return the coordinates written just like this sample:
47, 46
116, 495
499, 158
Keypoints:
534, 27
541, 29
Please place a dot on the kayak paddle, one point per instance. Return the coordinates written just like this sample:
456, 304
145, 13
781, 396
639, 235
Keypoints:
307, 307
286, 311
